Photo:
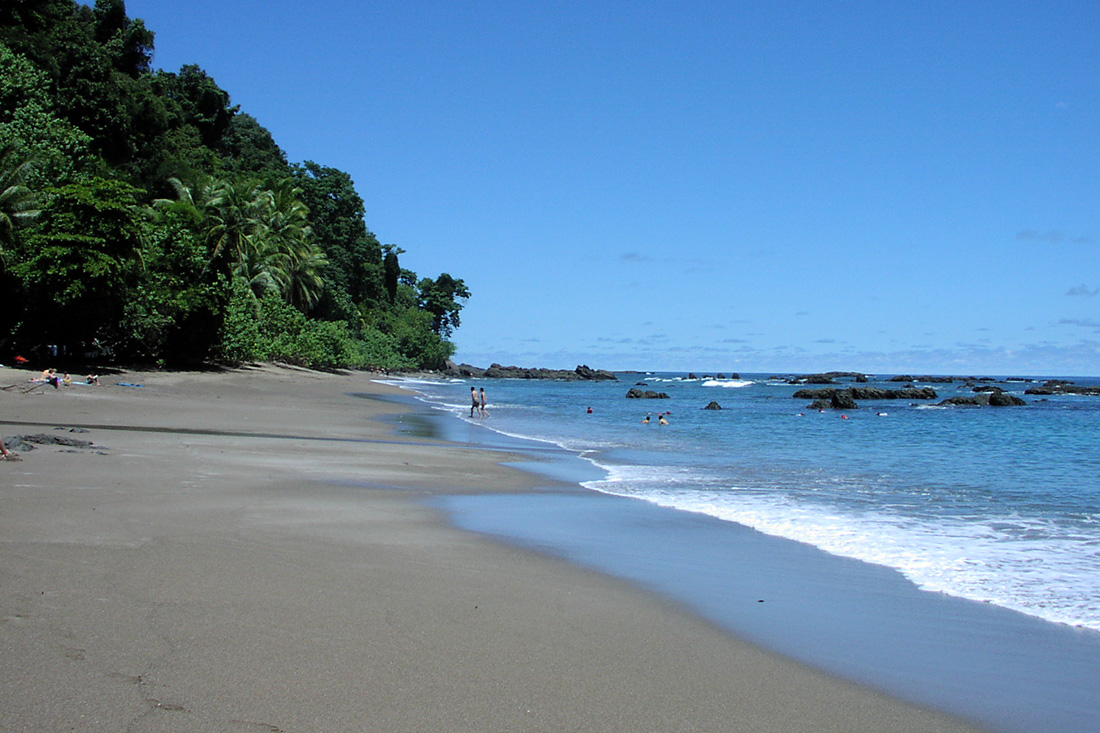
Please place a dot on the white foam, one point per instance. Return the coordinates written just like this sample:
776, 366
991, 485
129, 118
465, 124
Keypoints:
1025, 564
728, 383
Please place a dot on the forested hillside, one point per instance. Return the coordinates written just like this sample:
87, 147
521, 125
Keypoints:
144, 217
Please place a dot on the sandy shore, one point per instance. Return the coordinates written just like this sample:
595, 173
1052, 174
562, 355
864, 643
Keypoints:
249, 551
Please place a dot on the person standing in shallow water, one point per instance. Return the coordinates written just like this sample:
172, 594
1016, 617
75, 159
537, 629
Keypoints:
475, 405
484, 404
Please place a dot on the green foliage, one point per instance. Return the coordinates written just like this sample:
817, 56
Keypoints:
267, 329
173, 315
142, 213
336, 214
440, 298
81, 262
29, 122
18, 204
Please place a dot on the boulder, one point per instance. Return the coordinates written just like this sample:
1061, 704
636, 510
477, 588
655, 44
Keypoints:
869, 393
639, 394
713, 406
843, 400
1003, 399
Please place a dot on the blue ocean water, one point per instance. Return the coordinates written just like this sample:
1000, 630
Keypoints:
999, 505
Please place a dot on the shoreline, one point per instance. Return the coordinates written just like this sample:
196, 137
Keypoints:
254, 548
862, 621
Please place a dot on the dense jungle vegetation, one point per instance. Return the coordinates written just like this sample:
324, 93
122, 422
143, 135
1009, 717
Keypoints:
143, 217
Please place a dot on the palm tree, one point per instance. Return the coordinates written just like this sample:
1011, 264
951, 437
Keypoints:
295, 260
19, 205
231, 208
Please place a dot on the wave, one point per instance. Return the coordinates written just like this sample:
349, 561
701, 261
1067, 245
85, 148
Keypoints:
728, 383
1030, 565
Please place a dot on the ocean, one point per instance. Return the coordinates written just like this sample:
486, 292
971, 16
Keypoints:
984, 510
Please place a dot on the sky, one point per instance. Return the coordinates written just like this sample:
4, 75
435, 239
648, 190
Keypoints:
734, 186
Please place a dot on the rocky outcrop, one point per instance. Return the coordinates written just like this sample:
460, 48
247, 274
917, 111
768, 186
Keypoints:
583, 372
984, 399
1057, 386
845, 399
868, 393
827, 378
1003, 399
713, 406
927, 378
636, 393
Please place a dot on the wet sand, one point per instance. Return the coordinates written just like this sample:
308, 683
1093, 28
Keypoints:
255, 550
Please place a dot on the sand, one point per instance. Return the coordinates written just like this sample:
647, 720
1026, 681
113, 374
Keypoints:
251, 550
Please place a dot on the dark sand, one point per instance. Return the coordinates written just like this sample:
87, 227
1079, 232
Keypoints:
252, 551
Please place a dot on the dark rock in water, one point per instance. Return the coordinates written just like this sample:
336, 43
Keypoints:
961, 401
828, 378
582, 373
585, 372
868, 393
720, 375
713, 406
1058, 386
647, 394
691, 375
641, 384
843, 400
926, 378
463, 370
984, 399
813, 379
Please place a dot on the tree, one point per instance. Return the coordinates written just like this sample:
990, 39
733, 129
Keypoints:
440, 298
19, 205
82, 262
391, 271
29, 121
336, 216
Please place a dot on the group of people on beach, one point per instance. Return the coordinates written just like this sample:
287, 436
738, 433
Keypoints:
49, 376
478, 402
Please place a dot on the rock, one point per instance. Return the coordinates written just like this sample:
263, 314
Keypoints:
868, 393
961, 401
926, 378
1057, 386
583, 372
713, 406
691, 375
843, 400
648, 394
1003, 399
994, 399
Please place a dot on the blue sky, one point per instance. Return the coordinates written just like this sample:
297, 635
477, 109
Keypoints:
710, 186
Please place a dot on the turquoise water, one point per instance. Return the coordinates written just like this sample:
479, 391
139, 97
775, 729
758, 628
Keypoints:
1000, 505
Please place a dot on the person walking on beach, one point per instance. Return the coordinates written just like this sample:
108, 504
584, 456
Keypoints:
475, 405
484, 404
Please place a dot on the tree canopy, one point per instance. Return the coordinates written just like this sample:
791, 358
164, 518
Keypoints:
143, 216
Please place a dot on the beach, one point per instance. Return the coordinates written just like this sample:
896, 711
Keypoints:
261, 549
